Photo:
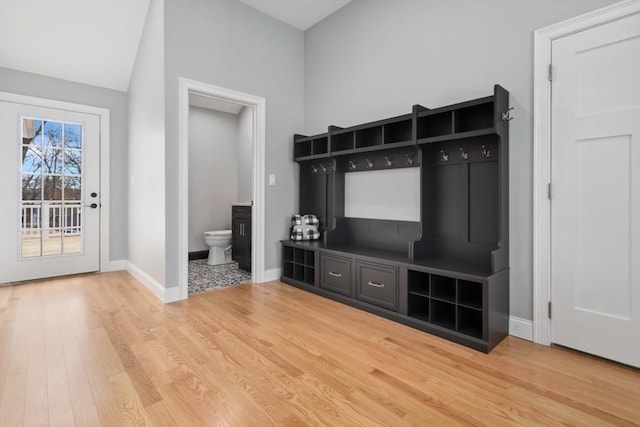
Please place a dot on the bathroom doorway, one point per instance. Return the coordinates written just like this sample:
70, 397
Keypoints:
221, 165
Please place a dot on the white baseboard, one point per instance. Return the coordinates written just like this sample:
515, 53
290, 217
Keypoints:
152, 284
273, 274
172, 295
521, 328
115, 265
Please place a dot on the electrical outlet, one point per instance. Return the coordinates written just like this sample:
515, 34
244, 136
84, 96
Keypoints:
272, 179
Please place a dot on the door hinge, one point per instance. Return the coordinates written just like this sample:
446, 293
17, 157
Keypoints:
549, 309
549, 191
550, 72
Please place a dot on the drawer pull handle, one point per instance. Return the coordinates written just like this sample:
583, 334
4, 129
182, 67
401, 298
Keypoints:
331, 273
377, 285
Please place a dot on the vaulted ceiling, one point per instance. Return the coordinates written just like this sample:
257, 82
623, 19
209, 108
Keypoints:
95, 41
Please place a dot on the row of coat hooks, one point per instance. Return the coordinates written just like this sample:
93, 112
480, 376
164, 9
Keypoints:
322, 168
407, 159
464, 154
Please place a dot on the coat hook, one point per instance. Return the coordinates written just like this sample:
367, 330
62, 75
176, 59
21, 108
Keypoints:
369, 163
444, 157
409, 159
323, 167
486, 153
463, 154
314, 169
506, 116
388, 161
352, 165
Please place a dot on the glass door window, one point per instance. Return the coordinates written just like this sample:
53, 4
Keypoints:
51, 197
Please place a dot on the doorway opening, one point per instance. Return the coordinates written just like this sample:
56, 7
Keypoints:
202, 101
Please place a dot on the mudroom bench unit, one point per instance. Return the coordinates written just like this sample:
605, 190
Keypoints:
443, 265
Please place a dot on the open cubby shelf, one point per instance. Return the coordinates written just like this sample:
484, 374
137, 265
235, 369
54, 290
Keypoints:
298, 264
475, 117
433, 125
450, 303
310, 147
398, 132
343, 142
446, 271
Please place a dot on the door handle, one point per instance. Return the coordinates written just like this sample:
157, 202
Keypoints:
331, 273
92, 205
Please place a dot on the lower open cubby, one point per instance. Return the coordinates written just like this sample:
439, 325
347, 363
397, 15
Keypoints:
447, 302
298, 264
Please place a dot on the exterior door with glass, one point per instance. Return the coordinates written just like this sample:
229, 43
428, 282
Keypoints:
50, 192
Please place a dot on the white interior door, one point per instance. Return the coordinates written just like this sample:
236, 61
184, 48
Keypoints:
595, 205
50, 192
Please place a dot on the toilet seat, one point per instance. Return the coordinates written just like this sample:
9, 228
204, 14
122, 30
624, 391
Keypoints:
218, 233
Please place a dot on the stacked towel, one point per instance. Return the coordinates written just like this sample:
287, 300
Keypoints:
305, 227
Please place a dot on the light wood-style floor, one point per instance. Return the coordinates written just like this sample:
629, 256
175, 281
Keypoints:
101, 350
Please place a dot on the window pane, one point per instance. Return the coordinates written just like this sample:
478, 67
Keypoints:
30, 243
52, 188
52, 161
72, 162
31, 160
52, 134
51, 242
72, 217
72, 135
31, 216
32, 132
53, 213
72, 188
31, 187
72, 241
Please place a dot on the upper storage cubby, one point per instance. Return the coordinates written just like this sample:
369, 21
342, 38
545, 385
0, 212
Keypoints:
380, 135
474, 117
435, 124
342, 140
398, 132
464, 120
310, 147
369, 137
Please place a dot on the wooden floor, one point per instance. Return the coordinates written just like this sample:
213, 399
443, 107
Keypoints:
101, 350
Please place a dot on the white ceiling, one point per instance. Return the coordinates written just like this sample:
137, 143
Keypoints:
96, 41
93, 42
301, 14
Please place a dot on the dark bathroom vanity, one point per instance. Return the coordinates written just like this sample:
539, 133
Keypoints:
241, 236
447, 272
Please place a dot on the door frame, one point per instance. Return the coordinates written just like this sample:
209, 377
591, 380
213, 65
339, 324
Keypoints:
104, 144
543, 39
258, 105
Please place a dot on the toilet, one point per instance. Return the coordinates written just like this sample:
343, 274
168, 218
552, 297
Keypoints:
219, 242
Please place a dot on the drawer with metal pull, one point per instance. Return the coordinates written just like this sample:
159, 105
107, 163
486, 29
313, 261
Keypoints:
335, 274
377, 284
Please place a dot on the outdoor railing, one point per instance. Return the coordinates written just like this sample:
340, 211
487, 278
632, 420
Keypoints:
55, 216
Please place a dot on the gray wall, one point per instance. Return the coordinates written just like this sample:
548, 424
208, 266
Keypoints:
245, 155
376, 58
146, 150
62, 90
213, 172
226, 43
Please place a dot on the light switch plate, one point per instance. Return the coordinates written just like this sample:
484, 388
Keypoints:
272, 179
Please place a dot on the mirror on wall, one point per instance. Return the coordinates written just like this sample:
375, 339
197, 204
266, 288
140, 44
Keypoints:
390, 194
